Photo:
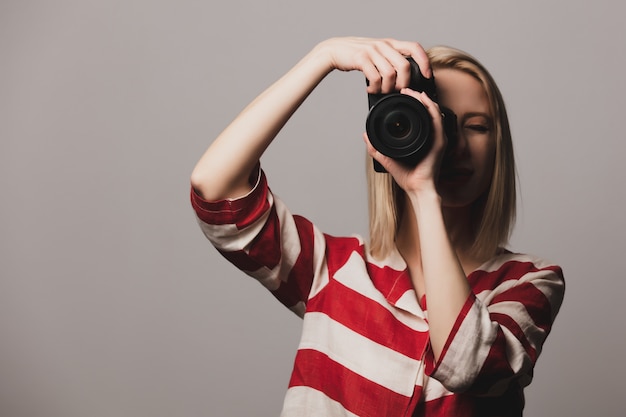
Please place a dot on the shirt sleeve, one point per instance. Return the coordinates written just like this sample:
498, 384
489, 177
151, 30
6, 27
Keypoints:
259, 235
501, 329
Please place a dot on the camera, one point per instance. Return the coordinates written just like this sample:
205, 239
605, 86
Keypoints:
400, 127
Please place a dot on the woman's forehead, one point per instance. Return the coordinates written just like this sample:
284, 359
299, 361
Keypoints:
457, 88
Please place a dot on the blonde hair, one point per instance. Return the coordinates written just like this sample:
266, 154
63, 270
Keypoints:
493, 214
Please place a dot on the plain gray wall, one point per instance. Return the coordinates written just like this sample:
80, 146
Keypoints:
112, 303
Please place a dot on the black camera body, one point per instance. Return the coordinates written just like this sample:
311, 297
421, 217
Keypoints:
400, 127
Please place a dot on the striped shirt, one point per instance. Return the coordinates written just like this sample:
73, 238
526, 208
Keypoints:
364, 349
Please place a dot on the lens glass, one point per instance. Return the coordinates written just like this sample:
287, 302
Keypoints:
398, 125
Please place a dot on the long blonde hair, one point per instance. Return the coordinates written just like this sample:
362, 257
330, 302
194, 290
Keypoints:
493, 213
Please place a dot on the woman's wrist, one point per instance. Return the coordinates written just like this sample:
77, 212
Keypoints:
427, 192
423, 198
321, 55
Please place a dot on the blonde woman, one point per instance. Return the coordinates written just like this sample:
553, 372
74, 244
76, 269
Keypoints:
431, 316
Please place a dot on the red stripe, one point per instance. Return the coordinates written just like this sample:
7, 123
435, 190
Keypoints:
496, 367
339, 250
457, 405
511, 270
391, 283
466, 405
241, 212
535, 302
356, 393
266, 246
264, 251
300, 278
508, 322
242, 260
369, 319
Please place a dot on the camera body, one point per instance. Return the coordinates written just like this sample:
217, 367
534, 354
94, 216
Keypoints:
400, 127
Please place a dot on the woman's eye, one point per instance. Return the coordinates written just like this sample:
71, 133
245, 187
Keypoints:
478, 128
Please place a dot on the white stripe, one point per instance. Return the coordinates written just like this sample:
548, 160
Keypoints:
469, 348
434, 389
308, 402
269, 278
516, 354
228, 237
408, 302
320, 267
487, 295
290, 240
394, 260
353, 274
361, 355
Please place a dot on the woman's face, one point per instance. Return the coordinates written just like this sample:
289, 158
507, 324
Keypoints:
467, 168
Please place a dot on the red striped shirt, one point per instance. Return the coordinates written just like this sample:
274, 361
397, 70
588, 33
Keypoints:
364, 349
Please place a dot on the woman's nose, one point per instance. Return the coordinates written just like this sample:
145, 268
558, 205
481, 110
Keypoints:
457, 142
453, 131
460, 145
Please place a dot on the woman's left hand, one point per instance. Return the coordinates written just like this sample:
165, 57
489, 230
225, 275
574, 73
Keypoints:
422, 177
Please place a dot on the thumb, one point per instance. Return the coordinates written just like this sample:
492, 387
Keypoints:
388, 163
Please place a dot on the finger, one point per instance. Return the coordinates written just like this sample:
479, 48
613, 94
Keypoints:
417, 52
385, 59
397, 62
431, 106
387, 72
415, 94
374, 79
436, 116
403, 69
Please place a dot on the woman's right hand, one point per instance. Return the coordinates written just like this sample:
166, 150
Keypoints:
382, 61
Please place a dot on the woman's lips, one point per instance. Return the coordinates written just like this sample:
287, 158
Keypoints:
456, 175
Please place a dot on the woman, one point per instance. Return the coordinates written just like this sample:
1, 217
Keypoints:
432, 317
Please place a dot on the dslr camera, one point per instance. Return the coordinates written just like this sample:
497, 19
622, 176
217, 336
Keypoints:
400, 127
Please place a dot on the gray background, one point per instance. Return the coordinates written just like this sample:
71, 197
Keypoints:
112, 303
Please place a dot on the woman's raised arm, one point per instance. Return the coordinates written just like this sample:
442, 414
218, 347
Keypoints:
224, 169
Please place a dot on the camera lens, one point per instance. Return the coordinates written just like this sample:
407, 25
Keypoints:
399, 126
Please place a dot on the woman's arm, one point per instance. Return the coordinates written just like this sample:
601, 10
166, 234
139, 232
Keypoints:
442, 277
500, 332
445, 282
224, 170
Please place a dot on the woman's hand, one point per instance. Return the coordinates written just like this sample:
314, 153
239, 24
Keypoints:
382, 61
424, 175
384, 64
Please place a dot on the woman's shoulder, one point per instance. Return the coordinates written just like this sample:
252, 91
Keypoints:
506, 256
345, 245
520, 277
508, 265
